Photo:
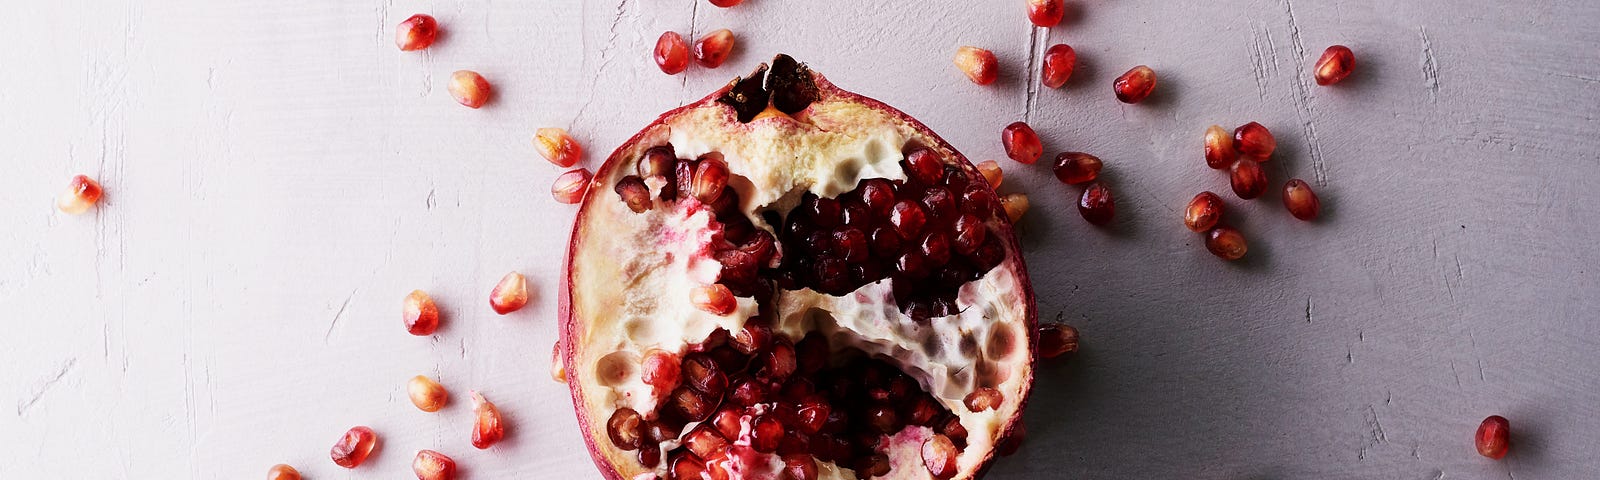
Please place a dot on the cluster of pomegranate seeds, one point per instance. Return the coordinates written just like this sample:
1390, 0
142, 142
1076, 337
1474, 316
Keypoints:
1057, 339
416, 33
672, 53
1336, 63
1134, 86
1021, 143
353, 447
1097, 204
713, 48
420, 314
282, 472
426, 394
82, 192
469, 88
1059, 62
570, 187
1046, 13
510, 295
978, 64
555, 145
726, 3
431, 465
1248, 179
1220, 153
1494, 437
1203, 212
1015, 204
487, 430
1077, 168
1226, 243
1300, 200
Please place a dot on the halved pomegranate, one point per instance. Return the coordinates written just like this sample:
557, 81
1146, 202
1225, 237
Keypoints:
881, 320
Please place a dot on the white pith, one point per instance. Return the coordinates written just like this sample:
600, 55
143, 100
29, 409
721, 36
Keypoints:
631, 276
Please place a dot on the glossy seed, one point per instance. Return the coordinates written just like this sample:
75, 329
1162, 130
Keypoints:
1336, 63
510, 295
555, 145
487, 430
282, 472
1203, 212
1059, 62
1077, 168
416, 33
469, 88
713, 48
1136, 85
671, 53
978, 64
715, 299
419, 314
991, 172
1494, 437
1046, 13
1253, 140
426, 394
1057, 339
82, 192
1226, 243
431, 465
570, 187
353, 447
1015, 205
1097, 204
1248, 179
1300, 200
1219, 148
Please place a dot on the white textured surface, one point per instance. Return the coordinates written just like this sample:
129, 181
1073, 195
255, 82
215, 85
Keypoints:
279, 177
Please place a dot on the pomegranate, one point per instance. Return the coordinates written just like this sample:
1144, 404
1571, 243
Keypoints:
1021, 142
820, 287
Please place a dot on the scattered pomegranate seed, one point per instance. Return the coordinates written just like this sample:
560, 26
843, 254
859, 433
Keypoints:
713, 48
427, 394
570, 187
487, 430
672, 53
1203, 212
991, 172
1077, 168
1226, 243
1046, 13
1059, 62
1021, 143
939, 455
81, 194
979, 64
1134, 86
1097, 205
469, 89
416, 33
1255, 141
984, 398
726, 3
1336, 63
1015, 205
419, 313
353, 447
282, 472
715, 299
1300, 200
1248, 179
1219, 148
510, 295
431, 465
1494, 437
557, 147
1057, 339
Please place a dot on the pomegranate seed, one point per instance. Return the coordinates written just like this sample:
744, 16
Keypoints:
81, 194
431, 465
1021, 143
1494, 437
416, 33
1059, 62
984, 398
952, 428
1248, 179
765, 434
419, 313
1336, 63
672, 53
884, 419
487, 430
626, 429
650, 456
634, 193
979, 64
1203, 213
970, 234
727, 422
427, 394
1046, 13
726, 3
282, 472
469, 89
1056, 340
800, 466
1219, 148
1077, 168
1015, 205
1097, 205
1255, 141
510, 295
570, 187
812, 416
713, 48
780, 362
715, 299
1134, 86
939, 455
557, 146
1226, 243
991, 172
1300, 200
701, 373
353, 448
908, 217
923, 165
709, 178
704, 441
660, 370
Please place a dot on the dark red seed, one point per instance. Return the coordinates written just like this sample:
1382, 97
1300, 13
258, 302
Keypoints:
672, 53
1097, 205
693, 405
1336, 63
727, 422
661, 162
709, 178
1300, 200
766, 433
955, 179
939, 455
952, 428
687, 466
875, 465
1226, 243
1077, 168
1134, 86
850, 244
1494, 437
884, 419
704, 441
752, 338
984, 398
780, 362
662, 431
1220, 153
970, 233
1204, 211
1057, 339
936, 248
626, 429
1021, 143
1253, 140
1059, 62
908, 218
811, 416
800, 466
885, 242
824, 212
923, 165
855, 215
922, 410
747, 391
634, 193
811, 354
1011, 443
701, 373
1249, 180
940, 204
878, 195
978, 200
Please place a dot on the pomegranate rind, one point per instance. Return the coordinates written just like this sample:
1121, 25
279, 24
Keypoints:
575, 326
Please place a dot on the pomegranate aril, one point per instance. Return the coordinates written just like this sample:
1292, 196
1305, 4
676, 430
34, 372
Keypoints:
510, 295
660, 162
850, 244
1134, 86
1220, 153
650, 455
940, 204
633, 192
662, 431
1226, 243
921, 411
923, 165
282, 472
747, 391
1057, 339
1077, 168
727, 421
416, 33
1493, 439
1300, 200
82, 192
970, 233
701, 373
704, 441
1015, 204
752, 338
1021, 143
570, 187
1249, 180
1046, 13
936, 248
487, 429
765, 434
1203, 212
984, 398
1097, 204
426, 394
714, 299
1336, 63
683, 172
626, 429
875, 465
825, 212
419, 313
978, 64
686, 466
431, 465
939, 455
672, 53
709, 178
991, 172
1253, 140
799, 466
692, 405
555, 145
878, 195
952, 428
713, 48
726, 3
659, 369
780, 361
812, 415
1059, 62
908, 218
469, 88
978, 200
884, 419
913, 264
353, 447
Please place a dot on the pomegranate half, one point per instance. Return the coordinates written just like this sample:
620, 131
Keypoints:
881, 320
